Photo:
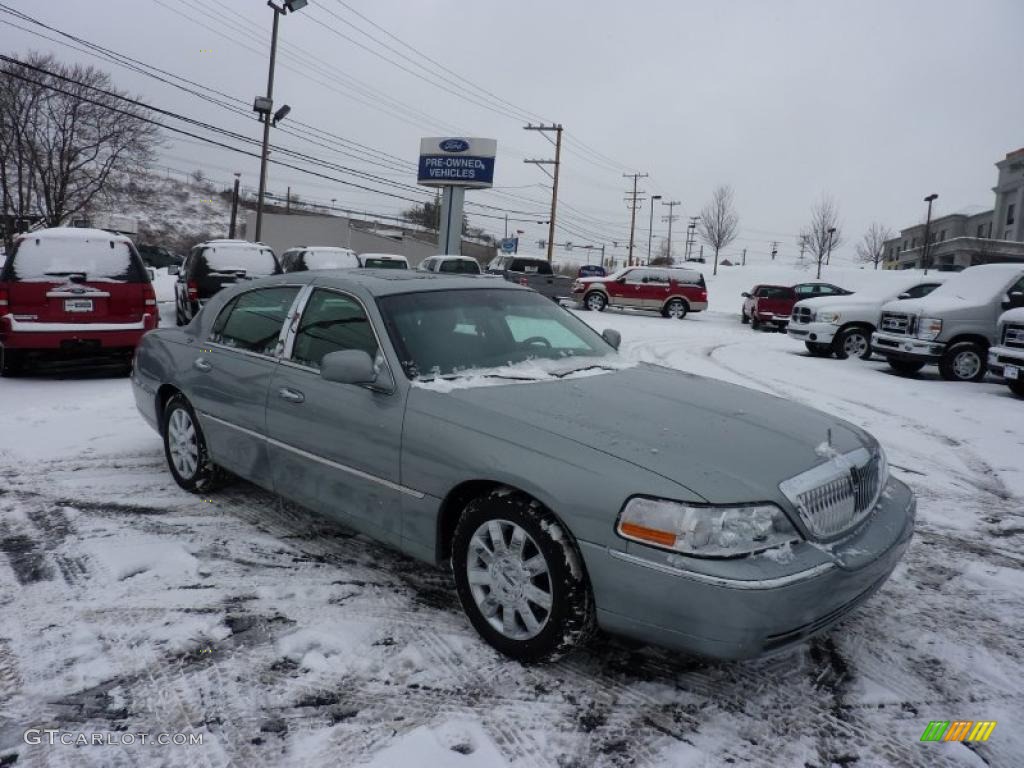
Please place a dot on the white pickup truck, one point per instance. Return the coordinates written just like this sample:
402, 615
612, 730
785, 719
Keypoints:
842, 325
1007, 358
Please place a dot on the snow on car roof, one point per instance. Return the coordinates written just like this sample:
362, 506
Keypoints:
385, 282
74, 233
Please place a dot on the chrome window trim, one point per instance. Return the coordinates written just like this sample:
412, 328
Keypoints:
280, 336
320, 459
720, 581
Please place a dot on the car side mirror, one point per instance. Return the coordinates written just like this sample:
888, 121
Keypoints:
621, 280
152, 273
745, 295
1015, 300
903, 295
612, 336
348, 366
173, 269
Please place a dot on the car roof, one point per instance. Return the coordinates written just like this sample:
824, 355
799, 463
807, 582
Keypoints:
383, 256
1009, 269
74, 233
387, 282
451, 257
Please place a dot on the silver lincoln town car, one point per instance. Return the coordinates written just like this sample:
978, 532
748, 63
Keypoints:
474, 422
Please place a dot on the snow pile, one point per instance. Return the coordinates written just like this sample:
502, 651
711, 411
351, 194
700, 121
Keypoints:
460, 743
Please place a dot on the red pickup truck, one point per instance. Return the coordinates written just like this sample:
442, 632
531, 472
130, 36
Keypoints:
772, 304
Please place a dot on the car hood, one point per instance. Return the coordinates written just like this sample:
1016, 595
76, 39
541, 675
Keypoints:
842, 302
723, 442
932, 306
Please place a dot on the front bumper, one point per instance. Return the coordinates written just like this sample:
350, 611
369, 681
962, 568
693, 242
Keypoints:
907, 348
769, 318
749, 606
819, 333
1000, 357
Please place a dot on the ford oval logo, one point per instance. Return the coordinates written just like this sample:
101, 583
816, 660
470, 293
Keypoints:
454, 145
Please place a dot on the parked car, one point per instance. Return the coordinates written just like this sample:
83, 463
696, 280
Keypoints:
533, 273
450, 264
673, 291
383, 261
776, 523
74, 293
768, 305
953, 326
814, 289
842, 325
591, 270
158, 257
214, 264
318, 257
1007, 358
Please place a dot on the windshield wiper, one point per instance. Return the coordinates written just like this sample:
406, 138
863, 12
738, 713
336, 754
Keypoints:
583, 368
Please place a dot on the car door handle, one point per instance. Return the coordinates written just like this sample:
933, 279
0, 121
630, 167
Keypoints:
291, 395
202, 365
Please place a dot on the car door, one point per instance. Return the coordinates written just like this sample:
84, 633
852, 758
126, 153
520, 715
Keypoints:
229, 374
628, 289
655, 291
335, 447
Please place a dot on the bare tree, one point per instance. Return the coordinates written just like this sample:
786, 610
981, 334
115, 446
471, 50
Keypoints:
719, 223
823, 233
65, 133
871, 248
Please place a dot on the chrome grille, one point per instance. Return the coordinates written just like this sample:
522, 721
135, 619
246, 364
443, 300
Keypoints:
898, 322
802, 315
834, 497
1013, 336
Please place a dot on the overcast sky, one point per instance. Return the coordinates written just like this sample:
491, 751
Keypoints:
877, 103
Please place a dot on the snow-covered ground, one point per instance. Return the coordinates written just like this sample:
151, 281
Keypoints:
129, 605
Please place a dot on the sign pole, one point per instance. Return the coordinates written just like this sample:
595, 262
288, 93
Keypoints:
450, 237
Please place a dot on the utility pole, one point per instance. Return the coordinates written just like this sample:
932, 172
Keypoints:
288, 201
634, 203
691, 236
234, 207
775, 249
650, 231
557, 162
670, 218
744, 257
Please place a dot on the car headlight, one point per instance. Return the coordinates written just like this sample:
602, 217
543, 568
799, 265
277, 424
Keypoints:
828, 317
929, 328
705, 530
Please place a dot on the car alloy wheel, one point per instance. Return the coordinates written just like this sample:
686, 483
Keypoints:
853, 342
676, 309
183, 443
963, 361
966, 365
596, 301
509, 579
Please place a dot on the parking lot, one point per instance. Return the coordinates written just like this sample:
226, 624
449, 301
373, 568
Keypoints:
130, 605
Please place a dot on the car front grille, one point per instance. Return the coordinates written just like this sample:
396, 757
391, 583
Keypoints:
898, 322
802, 315
836, 496
1013, 336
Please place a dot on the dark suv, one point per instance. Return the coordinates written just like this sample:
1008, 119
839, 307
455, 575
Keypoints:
213, 265
74, 293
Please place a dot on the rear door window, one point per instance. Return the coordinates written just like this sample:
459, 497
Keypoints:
530, 266
235, 259
460, 266
42, 259
332, 322
253, 320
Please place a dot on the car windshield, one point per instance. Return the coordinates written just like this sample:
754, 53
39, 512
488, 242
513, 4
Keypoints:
51, 258
252, 261
377, 263
460, 266
975, 284
330, 259
474, 332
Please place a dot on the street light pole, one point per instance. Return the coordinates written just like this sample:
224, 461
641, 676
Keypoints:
927, 225
828, 255
650, 231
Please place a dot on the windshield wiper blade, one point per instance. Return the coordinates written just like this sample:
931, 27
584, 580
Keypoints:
583, 368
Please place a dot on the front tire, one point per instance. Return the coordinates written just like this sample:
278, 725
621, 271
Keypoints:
852, 342
905, 367
520, 578
185, 448
596, 301
755, 323
965, 361
675, 309
743, 318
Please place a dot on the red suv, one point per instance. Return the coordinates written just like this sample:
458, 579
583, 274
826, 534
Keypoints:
673, 291
77, 292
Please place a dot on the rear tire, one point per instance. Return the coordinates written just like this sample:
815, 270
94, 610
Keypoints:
12, 362
676, 309
743, 318
520, 578
852, 342
185, 448
818, 350
905, 367
965, 361
596, 301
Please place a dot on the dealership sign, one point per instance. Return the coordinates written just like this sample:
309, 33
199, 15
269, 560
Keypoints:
457, 162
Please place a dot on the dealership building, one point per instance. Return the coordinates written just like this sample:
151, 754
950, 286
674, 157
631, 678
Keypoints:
960, 240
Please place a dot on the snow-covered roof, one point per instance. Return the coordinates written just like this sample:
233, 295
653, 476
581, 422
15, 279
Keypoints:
74, 233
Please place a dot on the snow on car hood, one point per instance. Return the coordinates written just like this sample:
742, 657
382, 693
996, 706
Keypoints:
723, 442
523, 373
